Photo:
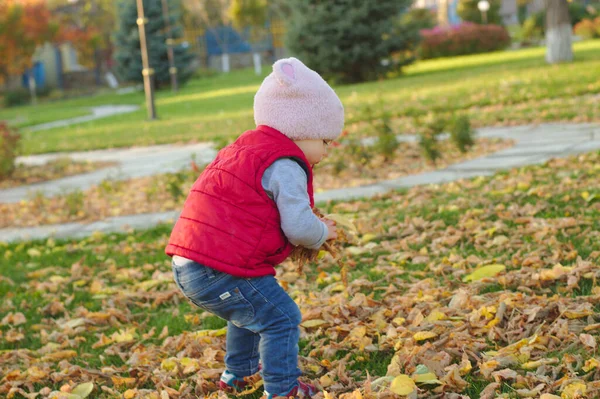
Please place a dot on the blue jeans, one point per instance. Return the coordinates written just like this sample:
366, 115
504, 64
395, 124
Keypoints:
262, 321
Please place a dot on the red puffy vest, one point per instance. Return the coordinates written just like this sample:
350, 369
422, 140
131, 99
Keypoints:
228, 221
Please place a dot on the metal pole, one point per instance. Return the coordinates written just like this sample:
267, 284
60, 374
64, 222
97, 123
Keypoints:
147, 72
485, 17
170, 54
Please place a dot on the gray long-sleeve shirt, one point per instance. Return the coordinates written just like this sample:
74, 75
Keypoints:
286, 182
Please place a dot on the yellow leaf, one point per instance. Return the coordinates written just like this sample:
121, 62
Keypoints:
96, 287
485, 271
549, 396
34, 252
436, 315
574, 314
211, 333
83, 390
555, 273
591, 364
423, 376
585, 195
424, 335
60, 355
338, 288
130, 394
168, 364
74, 323
126, 335
427, 379
326, 381
574, 390
398, 321
123, 381
343, 221
537, 363
368, 237
35, 373
403, 385
313, 323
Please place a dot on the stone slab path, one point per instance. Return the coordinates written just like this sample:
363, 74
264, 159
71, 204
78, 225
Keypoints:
533, 145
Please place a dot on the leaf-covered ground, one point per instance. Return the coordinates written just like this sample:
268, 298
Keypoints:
480, 288
56, 169
168, 191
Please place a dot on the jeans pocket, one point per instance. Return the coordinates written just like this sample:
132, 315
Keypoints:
193, 278
230, 305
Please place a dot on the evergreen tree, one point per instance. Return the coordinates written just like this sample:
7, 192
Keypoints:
128, 55
352, 40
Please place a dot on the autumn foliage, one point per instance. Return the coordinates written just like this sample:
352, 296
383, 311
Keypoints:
466, 38
24, 24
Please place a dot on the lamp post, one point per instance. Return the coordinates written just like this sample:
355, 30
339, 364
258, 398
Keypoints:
483, 6
147, 72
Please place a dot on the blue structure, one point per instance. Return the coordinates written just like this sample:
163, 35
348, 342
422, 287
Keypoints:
453, 18
225, 34
39, 75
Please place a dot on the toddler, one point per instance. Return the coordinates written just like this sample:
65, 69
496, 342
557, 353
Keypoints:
244, 215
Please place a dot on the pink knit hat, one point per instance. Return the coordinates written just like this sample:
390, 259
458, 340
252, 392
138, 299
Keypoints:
297, 101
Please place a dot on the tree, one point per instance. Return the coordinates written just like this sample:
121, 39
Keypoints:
558, 32
467, 10
251, 15
24, 25
211, 14
128, 55
87, 24
353, 40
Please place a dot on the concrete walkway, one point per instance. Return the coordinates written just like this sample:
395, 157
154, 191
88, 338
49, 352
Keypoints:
98, 112
534, 145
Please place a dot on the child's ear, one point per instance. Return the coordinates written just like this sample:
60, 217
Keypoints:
285, 72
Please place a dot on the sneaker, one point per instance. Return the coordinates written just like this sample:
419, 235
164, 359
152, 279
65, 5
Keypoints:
231, 383
300, 390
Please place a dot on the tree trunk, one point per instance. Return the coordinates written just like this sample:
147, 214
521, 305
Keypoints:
442, 13
558, 32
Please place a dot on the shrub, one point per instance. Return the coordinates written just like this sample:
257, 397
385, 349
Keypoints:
429, 146
531, 30
21, 96
430, 130
14, 98
535, 25
466, 38
74, 202
588, 28
9, 145
386, 143
461, 133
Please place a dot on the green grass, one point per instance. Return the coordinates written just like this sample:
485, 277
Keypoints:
515, 87
24, 116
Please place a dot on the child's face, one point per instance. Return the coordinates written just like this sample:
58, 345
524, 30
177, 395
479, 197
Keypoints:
314, 150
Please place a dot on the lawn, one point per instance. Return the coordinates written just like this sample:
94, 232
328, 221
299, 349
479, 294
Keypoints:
499, 88
105, 308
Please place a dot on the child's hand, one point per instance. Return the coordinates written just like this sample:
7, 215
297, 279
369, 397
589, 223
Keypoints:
331, 229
